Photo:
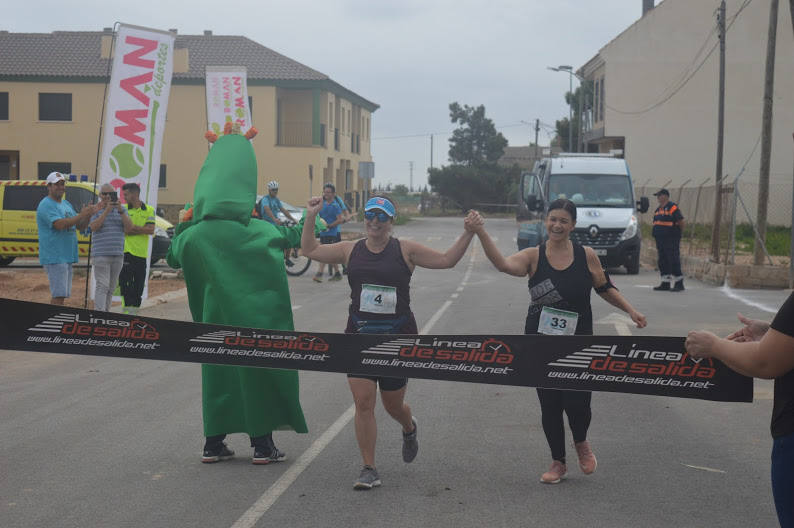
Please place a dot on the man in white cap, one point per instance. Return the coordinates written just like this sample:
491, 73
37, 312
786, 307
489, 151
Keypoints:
57, 220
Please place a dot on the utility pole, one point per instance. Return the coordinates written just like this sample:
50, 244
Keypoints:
537, 129
580, 122
411, 166
570, 111
766, 136
431, 144
715, 228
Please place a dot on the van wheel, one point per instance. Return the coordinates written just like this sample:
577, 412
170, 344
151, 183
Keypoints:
5, 261
633, 268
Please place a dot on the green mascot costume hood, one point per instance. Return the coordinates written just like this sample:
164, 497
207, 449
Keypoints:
234, 272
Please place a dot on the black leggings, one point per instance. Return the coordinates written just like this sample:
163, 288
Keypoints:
132, 279
576, 405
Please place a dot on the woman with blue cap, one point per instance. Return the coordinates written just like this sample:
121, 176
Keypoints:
379, 273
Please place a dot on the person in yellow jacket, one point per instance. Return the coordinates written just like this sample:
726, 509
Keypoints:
132, 278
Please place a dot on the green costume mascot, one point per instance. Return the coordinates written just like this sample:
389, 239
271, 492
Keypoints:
234, 272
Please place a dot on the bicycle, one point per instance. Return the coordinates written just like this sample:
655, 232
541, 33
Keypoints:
295, 262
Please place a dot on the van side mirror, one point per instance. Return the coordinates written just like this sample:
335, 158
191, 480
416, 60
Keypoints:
643, 204
533, 203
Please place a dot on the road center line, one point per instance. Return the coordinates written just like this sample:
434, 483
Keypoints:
271, 495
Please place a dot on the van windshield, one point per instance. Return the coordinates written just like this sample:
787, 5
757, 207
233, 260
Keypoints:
592, 190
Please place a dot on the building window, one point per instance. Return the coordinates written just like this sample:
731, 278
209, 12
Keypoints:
596, 117
55, 107
601, 99
3, 106
46, 167
162, 184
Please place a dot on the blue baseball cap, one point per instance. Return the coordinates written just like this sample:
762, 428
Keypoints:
379, 202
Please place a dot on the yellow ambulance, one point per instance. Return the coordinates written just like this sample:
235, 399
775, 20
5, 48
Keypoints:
19, 234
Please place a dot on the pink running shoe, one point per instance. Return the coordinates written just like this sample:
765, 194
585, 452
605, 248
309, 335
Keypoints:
555, 473
587, 460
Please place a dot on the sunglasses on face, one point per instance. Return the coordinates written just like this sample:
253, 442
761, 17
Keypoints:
380, 215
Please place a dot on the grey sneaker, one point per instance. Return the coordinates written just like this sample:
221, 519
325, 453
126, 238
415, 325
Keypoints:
410, 444
368, 479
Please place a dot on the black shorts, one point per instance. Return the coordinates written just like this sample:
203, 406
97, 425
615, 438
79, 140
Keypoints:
328, 239
386, 383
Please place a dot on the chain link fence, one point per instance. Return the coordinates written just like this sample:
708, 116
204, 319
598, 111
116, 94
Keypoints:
737, 222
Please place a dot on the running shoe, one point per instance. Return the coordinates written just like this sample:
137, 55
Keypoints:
318, 277
368, 479
337, 277
587, 460
216, 454
410, 444
267, 452
266, 457
555, 473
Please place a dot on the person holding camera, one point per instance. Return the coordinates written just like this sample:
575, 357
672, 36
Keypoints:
107, 228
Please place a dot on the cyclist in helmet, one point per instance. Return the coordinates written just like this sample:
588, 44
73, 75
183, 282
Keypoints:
270, 205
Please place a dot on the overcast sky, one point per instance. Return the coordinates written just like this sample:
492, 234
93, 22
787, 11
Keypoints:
412, 57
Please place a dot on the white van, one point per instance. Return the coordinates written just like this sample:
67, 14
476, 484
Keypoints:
600, 185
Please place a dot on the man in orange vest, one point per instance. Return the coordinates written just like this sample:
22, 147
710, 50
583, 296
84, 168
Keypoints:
668, 224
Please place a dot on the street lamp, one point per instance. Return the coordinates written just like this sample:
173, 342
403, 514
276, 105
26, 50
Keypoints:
569, 70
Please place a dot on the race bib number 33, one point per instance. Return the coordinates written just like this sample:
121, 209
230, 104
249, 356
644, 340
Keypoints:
378, 299
557, 322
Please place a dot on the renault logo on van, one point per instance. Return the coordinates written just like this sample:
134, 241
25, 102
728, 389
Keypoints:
594, 213
593, 231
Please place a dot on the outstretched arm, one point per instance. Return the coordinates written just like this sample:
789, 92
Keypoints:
771, 357
325, 253
611, 294
516, 264
425, 257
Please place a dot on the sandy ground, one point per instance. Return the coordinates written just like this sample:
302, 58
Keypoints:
31, 284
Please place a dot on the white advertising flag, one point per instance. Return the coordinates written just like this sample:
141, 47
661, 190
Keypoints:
227, 98
135, 111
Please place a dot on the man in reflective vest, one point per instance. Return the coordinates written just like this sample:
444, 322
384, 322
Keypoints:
668, 224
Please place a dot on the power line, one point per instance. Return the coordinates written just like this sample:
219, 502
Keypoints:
426, 134
687, 79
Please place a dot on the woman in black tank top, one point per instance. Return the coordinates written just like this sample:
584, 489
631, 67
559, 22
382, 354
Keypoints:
561, 275
379, 273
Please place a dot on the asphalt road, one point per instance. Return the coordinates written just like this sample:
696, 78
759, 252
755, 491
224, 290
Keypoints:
98, 442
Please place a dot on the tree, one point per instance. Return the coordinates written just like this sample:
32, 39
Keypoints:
474, 177
476, 141
400, 189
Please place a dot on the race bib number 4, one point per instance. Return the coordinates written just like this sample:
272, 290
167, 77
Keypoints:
557, 322
378, 299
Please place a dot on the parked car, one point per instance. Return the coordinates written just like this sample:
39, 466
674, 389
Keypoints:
19, 234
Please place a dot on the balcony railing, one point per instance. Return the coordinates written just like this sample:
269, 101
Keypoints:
298, 134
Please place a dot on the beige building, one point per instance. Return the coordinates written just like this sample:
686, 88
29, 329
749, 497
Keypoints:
311, 129
656, 93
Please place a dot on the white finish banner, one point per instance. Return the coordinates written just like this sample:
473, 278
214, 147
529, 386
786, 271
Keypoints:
227, 98
135, 110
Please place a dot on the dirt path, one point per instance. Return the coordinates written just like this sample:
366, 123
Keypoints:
32, 285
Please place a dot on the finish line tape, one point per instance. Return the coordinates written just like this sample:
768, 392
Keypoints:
636, 365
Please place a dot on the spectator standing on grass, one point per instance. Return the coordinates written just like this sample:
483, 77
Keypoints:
57, 224
107, 228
